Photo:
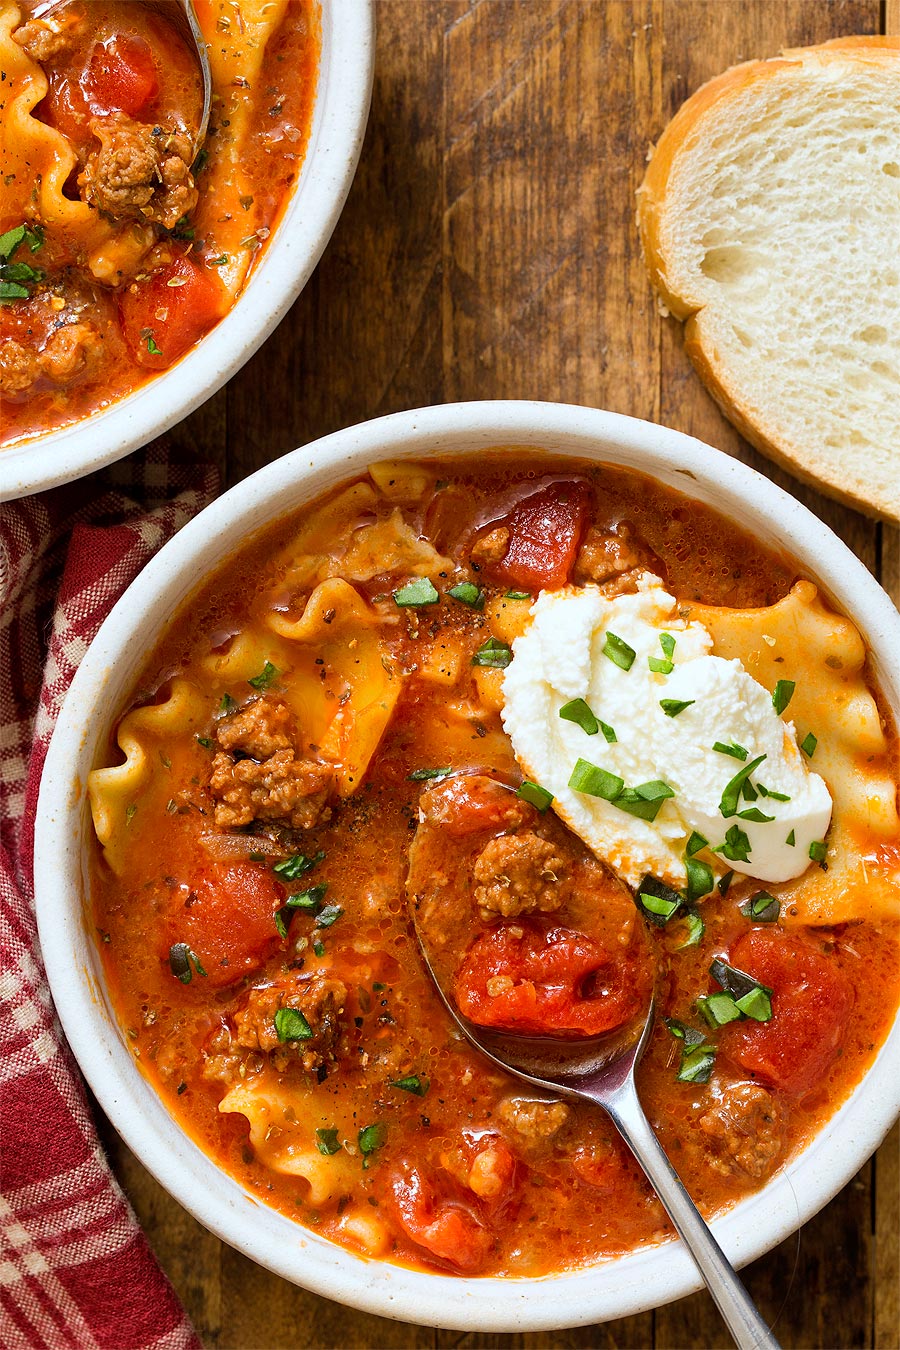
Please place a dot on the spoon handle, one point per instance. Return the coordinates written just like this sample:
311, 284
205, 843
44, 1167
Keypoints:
747, 1328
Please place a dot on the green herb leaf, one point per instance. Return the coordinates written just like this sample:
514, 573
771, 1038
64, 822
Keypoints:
608, 733
291, 1025
297, 865
130, 810
757, 1004
775, 796
659, 666
735, 982
11, 290
594, 781
732, 791
619, 652
577, 711
10, 241
695, 843
808, 745
736, 847
468, 594
518, 595
734, 750
205, 742
682, 1032
327, 1142
673, 706
151, 345
723, 884
761, 908
413, 1082
755, 815
645, 800
265, 676
228, 704
748, 791
329, 915
319, 948
416, 593
535, 795
818, 851
718, 1009
308, 900
181, 961
657, 901
695, 930
667, 642
791, 839
493, 653
371, 1137
696, 1065
784, 692
700, 878
422, 775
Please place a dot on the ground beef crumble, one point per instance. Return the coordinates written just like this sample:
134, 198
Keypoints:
519, 874
139, 170
745, 1130
257, 774
318, 998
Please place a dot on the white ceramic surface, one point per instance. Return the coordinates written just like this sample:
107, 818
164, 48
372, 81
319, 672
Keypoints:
339, 122
615, 1288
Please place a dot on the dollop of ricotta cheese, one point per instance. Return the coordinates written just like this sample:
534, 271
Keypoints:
577, 646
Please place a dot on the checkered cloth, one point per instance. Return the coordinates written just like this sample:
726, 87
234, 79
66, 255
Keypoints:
76, 1272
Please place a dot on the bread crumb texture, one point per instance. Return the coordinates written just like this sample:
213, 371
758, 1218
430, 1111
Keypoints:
770, 219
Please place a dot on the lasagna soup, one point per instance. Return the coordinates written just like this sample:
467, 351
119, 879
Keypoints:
121, 244
548, 708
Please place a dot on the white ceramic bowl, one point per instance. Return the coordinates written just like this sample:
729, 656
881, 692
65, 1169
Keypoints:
617, 1287
341, 108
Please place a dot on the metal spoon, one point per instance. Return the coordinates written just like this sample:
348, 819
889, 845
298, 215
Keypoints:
601, 1070
182, 15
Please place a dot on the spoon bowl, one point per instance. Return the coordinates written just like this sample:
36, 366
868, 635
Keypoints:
601, 1069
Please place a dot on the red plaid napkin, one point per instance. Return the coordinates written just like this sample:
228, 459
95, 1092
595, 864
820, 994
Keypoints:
76, 1272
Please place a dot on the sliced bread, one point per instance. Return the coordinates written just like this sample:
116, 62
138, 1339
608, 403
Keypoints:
770, 220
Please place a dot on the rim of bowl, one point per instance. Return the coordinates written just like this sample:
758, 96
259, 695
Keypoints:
340, 113
614, 1288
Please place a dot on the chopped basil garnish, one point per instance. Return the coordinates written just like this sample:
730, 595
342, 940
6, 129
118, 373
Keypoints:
734, 750
310, 899
329, 915
697, 1057
682, 1032
265, 677
700, 878
761, 907
736, 847
657, 900
808, 745
753, 999
228, 704
596, 782
791, 839
644, 800
327, 1142
518, 595
297, 866
818, 851
619, 652
370, 1138
181, 961
695, 843
16, 277
663, 666
749, 792
319, 948
784, 692
205, 742
695, 930
732, 791
608, 733
718, 1009
416, 593
535, 795
723, 884
152, 348
291, 1025
577, 711
768, 792
755, 815
422, 775
493, 653
673, 706
413, 1082
468, 594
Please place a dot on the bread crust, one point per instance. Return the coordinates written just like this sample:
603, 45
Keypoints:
653, 205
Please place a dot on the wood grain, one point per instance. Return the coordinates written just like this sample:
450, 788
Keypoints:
487, 250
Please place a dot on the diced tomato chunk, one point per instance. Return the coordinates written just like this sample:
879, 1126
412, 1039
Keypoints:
165, 315
121, 76
811, 1004
472, 802
443, 1227
536, 980
227, 919
545, 531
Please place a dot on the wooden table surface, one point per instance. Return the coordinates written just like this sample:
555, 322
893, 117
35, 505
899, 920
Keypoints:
488, 250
